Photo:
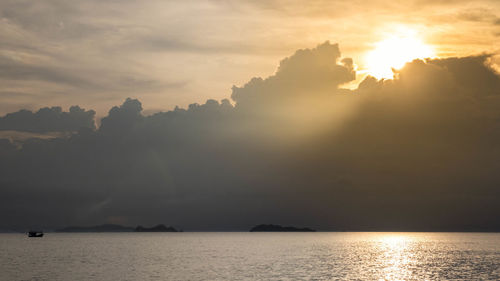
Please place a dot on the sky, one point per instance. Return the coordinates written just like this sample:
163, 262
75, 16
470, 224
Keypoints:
215, 116
173, 53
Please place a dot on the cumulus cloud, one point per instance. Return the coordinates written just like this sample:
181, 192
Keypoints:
417, 152
308, 72
47, 119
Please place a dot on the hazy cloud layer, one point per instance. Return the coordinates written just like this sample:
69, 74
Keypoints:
419, 152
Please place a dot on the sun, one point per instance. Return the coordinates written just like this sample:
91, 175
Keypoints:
393, 52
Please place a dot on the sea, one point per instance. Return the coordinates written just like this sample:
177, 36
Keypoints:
251, 256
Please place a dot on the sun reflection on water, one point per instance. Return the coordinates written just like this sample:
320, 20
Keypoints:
396, 256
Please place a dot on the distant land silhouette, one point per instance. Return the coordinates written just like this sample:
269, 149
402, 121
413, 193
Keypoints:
117, 228
279, 228
158, 228
97, 228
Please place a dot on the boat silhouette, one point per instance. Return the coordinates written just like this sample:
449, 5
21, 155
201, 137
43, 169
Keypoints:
35, 233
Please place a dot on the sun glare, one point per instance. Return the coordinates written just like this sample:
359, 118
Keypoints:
393, 53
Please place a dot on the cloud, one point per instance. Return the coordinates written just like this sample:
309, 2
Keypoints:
64, 52
18, 70
418, 152
307, 72
47, 119
478, 15
166, 53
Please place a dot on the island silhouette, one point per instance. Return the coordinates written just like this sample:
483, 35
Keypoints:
117, 228
279, 228
157, 228
163, 228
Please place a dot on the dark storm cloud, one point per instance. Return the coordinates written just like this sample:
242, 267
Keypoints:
415, 153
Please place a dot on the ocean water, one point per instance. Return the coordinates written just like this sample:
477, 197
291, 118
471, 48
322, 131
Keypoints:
251, 256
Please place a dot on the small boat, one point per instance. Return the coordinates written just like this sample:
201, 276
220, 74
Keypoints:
35, 234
